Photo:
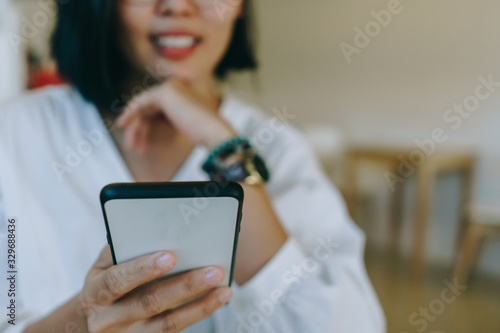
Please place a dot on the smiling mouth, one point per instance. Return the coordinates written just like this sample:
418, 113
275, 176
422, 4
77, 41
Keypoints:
176, 47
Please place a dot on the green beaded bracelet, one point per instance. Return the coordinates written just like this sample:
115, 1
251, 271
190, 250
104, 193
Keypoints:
223, 150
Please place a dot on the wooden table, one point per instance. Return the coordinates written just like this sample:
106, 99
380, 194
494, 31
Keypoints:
397, 174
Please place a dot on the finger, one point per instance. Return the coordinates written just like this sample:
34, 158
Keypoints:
130, 136
118, 280
191, 313
104, 260
163, 295
146, 103
142, 137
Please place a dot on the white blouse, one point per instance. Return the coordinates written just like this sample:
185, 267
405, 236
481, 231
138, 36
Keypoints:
56, 154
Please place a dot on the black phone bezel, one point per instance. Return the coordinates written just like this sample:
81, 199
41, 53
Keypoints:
161, 190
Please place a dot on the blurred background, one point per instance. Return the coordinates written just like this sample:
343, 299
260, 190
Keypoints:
401, 101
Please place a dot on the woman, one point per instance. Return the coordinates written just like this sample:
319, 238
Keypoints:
299, 264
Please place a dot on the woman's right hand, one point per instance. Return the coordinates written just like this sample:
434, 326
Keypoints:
118, 298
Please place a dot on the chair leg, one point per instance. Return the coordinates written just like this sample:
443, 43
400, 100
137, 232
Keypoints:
468, 249
396, 203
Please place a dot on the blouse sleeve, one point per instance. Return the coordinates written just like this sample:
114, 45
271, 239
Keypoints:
317, 281
21, 315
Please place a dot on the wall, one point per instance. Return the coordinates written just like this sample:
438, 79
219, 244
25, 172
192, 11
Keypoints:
396, 89
11, 65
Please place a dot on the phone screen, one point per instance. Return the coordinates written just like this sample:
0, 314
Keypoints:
200, 231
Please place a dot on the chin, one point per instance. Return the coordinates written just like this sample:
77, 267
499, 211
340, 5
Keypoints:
164, 69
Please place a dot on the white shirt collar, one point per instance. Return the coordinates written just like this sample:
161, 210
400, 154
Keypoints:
190, 170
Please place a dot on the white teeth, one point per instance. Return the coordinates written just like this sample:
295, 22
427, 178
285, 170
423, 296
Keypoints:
178, 42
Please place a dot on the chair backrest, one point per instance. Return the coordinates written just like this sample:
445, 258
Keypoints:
485, 213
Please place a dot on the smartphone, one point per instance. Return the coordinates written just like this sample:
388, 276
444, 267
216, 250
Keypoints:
197, 221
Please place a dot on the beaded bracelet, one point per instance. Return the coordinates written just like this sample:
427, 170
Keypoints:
223, 150
250, 160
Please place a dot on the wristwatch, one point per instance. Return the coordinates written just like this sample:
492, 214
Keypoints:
236, 160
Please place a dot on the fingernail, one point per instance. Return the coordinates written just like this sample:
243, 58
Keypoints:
213, 275
165, 260
224, 295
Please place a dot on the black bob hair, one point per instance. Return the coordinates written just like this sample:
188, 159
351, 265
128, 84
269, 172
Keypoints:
88, 56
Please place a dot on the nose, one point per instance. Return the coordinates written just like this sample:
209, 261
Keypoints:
180, 8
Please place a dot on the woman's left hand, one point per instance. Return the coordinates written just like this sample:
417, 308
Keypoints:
190, 113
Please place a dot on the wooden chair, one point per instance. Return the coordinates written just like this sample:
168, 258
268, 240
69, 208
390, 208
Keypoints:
484, 221
426, 174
